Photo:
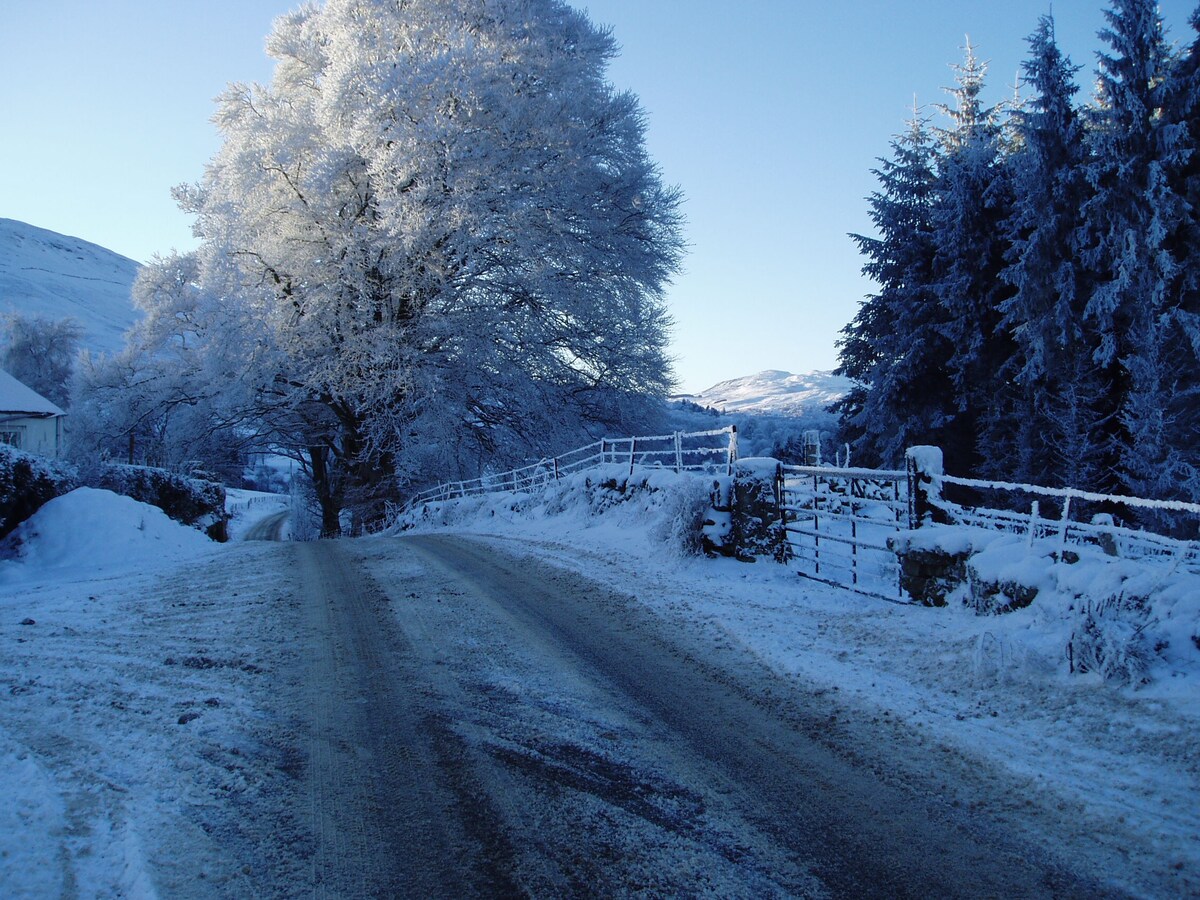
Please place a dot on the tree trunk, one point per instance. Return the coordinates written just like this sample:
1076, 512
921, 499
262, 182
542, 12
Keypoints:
327, 495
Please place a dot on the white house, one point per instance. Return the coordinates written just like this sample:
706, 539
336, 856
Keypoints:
28, 421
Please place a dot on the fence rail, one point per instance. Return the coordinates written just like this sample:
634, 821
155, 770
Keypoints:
696, 451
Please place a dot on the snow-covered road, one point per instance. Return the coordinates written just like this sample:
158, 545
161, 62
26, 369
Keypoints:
452, 716
616, 755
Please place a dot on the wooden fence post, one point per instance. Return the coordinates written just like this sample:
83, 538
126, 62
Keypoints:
678, 453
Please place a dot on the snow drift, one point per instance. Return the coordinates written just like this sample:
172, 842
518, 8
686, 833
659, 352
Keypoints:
90, 531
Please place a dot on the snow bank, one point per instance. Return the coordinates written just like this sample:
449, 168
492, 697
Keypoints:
612, 506
90, 531
1136, 621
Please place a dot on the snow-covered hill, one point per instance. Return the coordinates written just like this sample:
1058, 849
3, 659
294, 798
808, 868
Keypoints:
49, 274
774, 392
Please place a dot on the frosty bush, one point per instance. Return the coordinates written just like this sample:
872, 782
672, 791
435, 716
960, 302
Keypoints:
685, 508
200, 504
305, 510
26, 482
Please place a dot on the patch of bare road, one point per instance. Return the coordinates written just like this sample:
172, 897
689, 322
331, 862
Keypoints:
474, 724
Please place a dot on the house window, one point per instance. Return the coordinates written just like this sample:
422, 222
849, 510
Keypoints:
12, 437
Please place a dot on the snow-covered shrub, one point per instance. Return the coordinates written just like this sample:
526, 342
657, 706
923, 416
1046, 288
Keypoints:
27, 482
1129, 615
683, 512
1110, 639
200, 504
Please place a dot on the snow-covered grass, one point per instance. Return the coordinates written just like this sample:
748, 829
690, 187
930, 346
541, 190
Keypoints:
1121, 762
1136, 621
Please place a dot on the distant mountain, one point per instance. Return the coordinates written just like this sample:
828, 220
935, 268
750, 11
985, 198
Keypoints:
48, 274
774, 393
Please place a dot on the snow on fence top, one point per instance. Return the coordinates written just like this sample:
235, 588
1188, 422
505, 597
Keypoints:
695, 451
1073, 493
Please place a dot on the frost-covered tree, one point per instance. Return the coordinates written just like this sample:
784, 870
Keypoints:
1056, 416
1129, 220
972, 200
896, 348
445, 221
40, 352
179, 395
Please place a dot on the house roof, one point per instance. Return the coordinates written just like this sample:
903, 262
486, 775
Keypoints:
15, 397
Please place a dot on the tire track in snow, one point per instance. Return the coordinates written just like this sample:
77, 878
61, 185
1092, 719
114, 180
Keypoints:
392, 807
792, 795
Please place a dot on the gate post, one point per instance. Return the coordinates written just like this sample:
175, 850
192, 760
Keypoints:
812, 448
924, 467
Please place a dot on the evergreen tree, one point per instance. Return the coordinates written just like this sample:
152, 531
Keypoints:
1052, 420
1182, 339
972, 201
895, 348
1126, 243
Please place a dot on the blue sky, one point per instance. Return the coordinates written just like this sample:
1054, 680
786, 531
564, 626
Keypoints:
769, 114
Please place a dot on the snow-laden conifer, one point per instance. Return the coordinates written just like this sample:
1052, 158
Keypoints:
1129, 221
1055, 416
973, 198
895, 347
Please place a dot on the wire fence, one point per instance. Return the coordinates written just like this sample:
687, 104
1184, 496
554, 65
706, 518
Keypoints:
1131, 527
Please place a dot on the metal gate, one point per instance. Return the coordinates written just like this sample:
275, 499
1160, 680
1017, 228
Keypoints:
838, 522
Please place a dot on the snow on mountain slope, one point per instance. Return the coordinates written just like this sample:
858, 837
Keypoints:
49, 274
774, 392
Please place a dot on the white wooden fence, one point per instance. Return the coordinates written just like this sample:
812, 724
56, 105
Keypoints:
1082, 517
696, 451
